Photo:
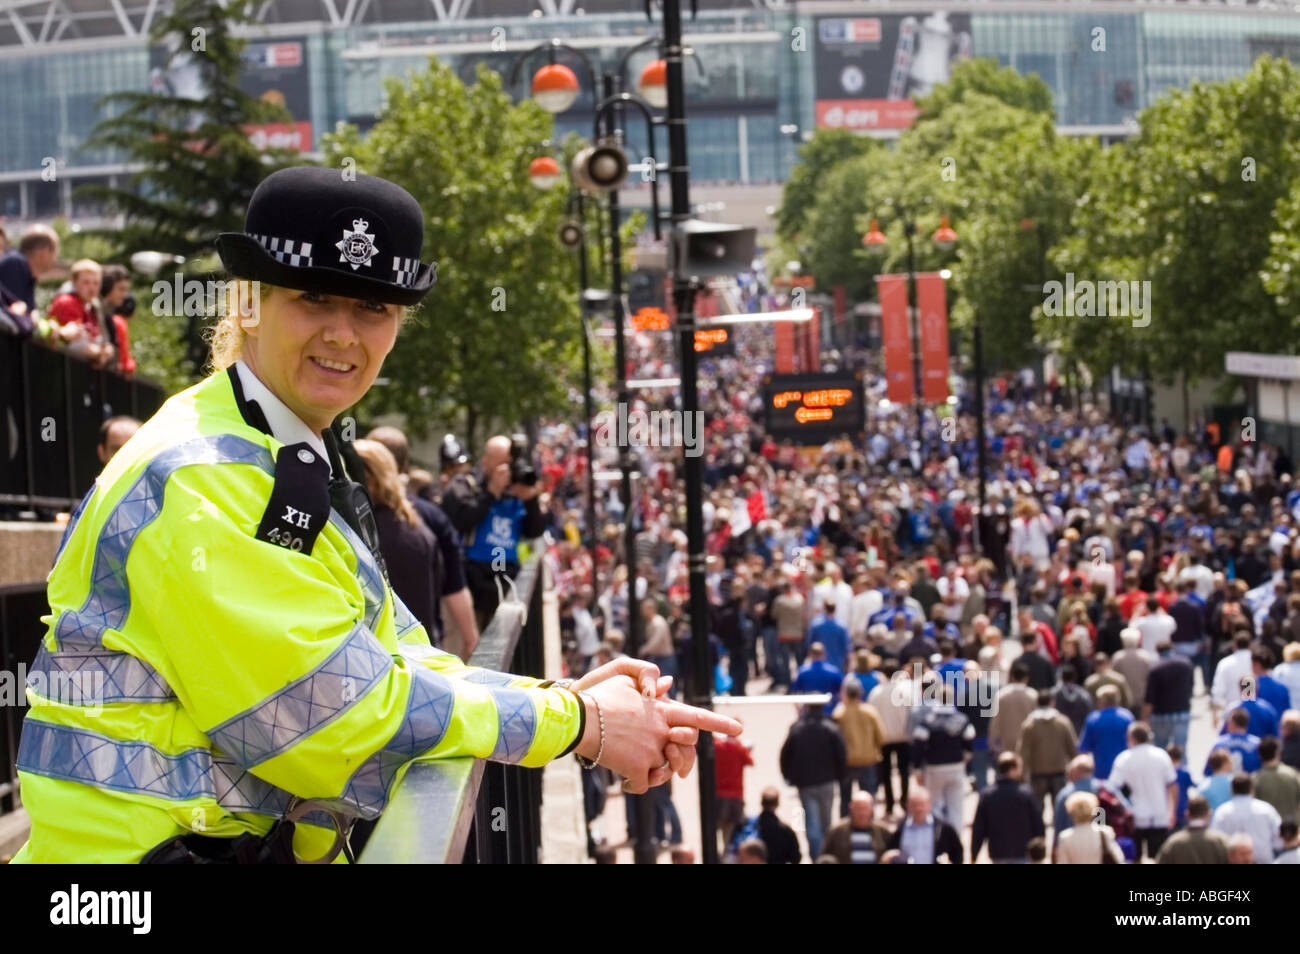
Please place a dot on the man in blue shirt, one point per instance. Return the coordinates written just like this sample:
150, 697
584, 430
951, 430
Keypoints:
951, 667
1217, 787
1268, 689
1105, 732
832, 635
1185, 783
1241, 745
1264, 719
493, 512
21, 268
817, 675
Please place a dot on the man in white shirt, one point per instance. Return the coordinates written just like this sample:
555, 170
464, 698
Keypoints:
1149, 774
866, 601
1245, 814
584, 627
1156, 626
1225, 691
954, 591
1201, 575
833, 589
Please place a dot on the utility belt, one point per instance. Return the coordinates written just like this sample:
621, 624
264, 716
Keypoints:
273, 848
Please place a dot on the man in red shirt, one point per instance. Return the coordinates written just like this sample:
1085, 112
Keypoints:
1134, 596
78, 308
730, 758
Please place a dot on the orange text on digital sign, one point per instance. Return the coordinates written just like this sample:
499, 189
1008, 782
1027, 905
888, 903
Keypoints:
707, 338
650, 319
806, 414
827, 398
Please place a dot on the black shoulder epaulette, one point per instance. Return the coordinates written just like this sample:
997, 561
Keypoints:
300, 499
299, 506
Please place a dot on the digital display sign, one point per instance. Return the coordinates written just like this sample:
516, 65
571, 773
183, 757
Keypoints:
650, 319
813, 407
716, 341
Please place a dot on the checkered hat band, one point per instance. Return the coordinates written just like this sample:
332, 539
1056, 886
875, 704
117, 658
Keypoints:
405, 270
287, 251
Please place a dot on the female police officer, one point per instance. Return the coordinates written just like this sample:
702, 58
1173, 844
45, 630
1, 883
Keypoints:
224, 656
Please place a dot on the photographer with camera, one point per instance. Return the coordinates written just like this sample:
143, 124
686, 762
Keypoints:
494, 508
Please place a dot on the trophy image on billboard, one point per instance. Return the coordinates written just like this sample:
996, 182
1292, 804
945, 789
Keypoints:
923, 61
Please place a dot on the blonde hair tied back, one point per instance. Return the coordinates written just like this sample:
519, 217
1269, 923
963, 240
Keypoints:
385, 481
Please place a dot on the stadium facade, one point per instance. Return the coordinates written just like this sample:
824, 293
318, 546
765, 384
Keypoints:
771, 72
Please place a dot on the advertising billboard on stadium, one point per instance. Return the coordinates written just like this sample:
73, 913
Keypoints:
813, 408
276, 71
870, 69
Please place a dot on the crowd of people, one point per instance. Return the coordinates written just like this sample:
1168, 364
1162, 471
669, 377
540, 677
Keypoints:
1043, 653
89, 314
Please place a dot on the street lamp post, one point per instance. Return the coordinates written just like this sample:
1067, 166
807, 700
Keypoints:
684, 302
555, 88
914, 326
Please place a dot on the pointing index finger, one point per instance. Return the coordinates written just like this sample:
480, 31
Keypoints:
702, 719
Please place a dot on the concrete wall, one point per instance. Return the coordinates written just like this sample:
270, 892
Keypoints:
27, 551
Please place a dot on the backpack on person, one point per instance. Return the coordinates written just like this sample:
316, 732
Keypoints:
1118, 816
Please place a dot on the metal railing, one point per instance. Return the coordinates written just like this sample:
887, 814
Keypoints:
448, 811
21, 630
51, 407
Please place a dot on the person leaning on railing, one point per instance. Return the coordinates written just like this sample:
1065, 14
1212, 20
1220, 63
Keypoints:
252, 684
20, 270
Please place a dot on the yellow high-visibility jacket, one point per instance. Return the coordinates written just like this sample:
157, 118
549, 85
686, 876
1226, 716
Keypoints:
194, 677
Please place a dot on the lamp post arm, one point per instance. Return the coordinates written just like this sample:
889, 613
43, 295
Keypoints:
615, 102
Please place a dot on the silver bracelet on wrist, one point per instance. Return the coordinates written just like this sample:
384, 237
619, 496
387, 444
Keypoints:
600, 716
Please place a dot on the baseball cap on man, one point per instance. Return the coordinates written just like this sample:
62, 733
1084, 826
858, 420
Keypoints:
310, 229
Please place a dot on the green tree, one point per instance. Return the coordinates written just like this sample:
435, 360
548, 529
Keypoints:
497, 338
199, 167
983, 152
995, 169
986, 78
1187, 206
827, 149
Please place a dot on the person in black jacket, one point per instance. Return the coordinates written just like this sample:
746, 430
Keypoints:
782, 843
922, 838
455, 628
814, 760
1008, 816
726, 623
1041, 674
493, 515
1071, 699
1112, 623
405, 541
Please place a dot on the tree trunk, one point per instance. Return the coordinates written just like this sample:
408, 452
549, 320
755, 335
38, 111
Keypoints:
1187, 411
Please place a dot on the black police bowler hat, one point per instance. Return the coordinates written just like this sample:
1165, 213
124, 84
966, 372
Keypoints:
452, 452
311, 229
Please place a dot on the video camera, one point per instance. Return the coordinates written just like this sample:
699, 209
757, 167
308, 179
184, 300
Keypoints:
522, 470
